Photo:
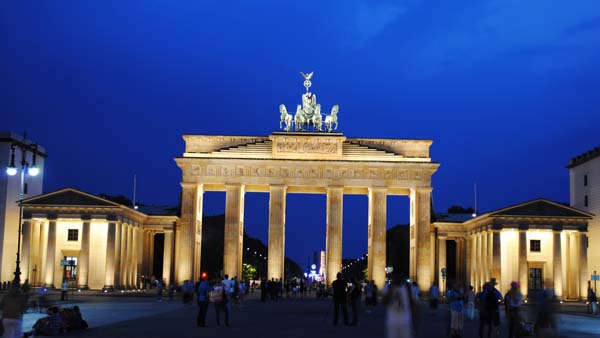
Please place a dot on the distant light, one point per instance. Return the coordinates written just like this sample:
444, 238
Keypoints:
474, 215
561, 301
105, 291
78, 290
525, 301
11, 171
135, 207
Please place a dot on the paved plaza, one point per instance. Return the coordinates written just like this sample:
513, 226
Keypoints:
139, 316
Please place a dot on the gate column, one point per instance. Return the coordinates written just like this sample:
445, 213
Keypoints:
276, 255
421, 221
377, 222
234, 230
333, 249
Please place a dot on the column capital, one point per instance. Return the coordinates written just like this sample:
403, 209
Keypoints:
335, 187
185, 185
378, 189
422, 189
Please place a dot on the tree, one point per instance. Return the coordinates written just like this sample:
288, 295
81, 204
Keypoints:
248, 271
457, 209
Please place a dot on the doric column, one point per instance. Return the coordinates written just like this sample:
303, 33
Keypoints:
198, 231
109, 269
137, 249
151, 253
583, 264
523, 275
276, 253
26, 249
84, 255
140, 257
460, 264
129, 259
35, 262
574, 266
477, 263
377, 224
567, 261
50, 254
421, 218
485, 256
123, 256
118, 234
557, 264
167, 256
186, 233
333, 246
469, 262
496, 268
234, 230
441, 261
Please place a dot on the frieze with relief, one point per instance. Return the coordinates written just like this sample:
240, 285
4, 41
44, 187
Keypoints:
307, 172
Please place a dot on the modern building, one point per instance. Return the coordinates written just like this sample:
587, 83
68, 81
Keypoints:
10, 187
93, 242
584, 177
540, 244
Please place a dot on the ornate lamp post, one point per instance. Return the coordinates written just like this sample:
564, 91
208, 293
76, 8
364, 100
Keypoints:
26, 169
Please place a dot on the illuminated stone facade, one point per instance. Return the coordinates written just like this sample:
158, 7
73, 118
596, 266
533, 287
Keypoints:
315, 163
540, 244
111, 245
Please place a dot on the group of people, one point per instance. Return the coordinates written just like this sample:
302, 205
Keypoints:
15, 303
463, 303
223, 293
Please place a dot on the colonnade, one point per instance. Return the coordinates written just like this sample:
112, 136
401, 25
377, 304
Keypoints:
189, 235
126, 254
479, 258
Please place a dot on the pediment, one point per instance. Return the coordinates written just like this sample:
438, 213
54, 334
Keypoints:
541, 208
69, 197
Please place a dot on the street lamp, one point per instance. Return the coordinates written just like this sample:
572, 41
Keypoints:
26, 169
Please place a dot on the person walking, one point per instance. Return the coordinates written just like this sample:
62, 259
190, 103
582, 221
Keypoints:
13, 305
457, 303
512, 305
398, 301
159, 290
64, 290
339, 298
203, 289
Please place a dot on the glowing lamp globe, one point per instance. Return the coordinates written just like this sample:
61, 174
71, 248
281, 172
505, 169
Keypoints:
33, 171
11, 171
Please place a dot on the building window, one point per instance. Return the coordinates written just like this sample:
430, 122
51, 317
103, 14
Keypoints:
585, 182
73, 235
535, 245
585, 201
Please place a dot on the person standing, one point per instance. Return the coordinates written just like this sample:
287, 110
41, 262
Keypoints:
354, 297
339, 298
64, 290
490, 306
512, 304
434, 296
219, 297
263, 289
159, 290
203, 289
470, 303
13, 305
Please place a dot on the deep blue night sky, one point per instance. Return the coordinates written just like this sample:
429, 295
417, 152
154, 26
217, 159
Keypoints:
508, 90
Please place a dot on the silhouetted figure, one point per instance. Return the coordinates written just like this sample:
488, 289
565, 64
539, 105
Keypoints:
354, 297
339, 298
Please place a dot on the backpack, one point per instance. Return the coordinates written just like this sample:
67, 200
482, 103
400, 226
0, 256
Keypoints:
490, 300
215, 296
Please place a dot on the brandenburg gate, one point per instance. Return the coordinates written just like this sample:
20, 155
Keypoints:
308, 162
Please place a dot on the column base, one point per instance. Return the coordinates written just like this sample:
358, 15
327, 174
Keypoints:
108, 288
83, 287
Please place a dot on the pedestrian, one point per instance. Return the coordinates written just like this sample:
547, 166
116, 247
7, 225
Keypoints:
368, 297
512, 306
434, 296
218, 296
545, 322
263, 289
159, 290
594, 302
64, 290
13, 305
354, 297
339, 298
470, 303
399, 305
203, 298
490, 306
457, 301
188, 291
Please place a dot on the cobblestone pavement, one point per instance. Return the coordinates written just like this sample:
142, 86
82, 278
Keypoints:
130, 317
